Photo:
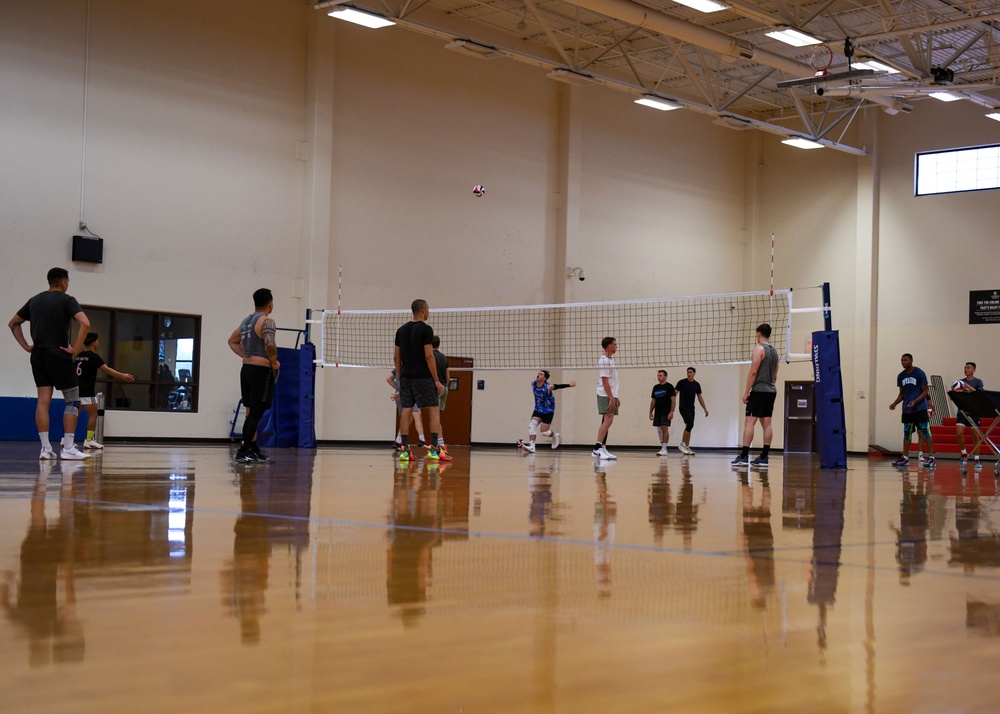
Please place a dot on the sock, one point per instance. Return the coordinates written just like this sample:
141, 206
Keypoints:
598, 445
964, 453
68, 441
421, 437
254, 448
434, 440
399, 439
43, 436
745, 452
765, 450
404, 440
90, 435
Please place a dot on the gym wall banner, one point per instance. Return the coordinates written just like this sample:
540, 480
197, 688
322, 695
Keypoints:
984, 307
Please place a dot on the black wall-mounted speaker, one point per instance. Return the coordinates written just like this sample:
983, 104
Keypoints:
88, 249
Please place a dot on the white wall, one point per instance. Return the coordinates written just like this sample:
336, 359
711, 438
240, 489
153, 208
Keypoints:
228, 151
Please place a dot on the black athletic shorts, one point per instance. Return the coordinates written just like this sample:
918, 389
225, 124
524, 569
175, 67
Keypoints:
51, 367
761, 404
256, 385
544, 418
919, 417
420, 391
960, 420
688, 416
660, 419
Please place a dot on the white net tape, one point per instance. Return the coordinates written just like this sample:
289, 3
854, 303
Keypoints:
710, 329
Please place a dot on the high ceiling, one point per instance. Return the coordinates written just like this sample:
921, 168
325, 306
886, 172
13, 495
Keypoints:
723, 63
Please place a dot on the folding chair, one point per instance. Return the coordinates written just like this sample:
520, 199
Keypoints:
981, 404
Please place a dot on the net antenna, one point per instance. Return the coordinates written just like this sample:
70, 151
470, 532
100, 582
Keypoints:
699, 330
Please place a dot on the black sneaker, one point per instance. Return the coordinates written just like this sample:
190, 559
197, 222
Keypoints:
245, 457
760, 462
741, 461
259, 456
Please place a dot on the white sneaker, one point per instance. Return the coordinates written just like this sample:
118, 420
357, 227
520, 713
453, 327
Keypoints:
47, 454
529, 446
662, 451
605, 454
73, 454
555, 440
91, 444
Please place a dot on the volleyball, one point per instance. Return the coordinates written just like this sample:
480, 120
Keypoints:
958, 386
478, 190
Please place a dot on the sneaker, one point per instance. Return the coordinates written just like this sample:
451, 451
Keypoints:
404, 454
244, 457
760, 462
596, 453
688, 451
920, 456
740, 461
902, 461
662, 451
930, 462
259, 456
443, 454
529, 446
91, 444
425, 444
979, 464
73, 454
397, 445
606, 455
962, 459
555, 440
47, 454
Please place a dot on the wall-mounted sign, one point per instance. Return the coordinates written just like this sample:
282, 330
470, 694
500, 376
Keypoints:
984, 307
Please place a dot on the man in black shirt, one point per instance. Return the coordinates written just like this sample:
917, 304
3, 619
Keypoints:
50, 314
687, 390
418, 379
444, 376
662, 401
88, 363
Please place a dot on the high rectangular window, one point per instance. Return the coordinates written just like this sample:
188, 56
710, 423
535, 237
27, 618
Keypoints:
954, 170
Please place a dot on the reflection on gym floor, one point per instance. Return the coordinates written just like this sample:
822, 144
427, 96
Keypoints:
342, 580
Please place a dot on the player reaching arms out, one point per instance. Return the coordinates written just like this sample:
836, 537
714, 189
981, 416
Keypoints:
912, 383
88, 363
545, 409
254, 342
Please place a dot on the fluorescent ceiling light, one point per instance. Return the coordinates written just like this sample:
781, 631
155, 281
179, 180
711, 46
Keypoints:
361, 18
877, 66
793, 37
650, 100
703, 5
946, 96
800, 143
994, 115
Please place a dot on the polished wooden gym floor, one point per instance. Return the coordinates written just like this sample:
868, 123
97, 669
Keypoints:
166, 578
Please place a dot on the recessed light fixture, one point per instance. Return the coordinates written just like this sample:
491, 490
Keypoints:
651, 100
877, 66
801, 143
946, 96
360, 18
793, 37
703, 5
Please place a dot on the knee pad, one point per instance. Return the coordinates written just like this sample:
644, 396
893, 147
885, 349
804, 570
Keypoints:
532, 427
907, 431
72, 397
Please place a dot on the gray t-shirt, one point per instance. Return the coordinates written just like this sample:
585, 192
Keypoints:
764, 382
50, 314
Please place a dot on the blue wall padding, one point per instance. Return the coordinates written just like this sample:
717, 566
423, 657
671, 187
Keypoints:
831, 427
17, 419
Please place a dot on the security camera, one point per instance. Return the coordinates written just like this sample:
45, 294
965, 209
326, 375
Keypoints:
577, 273
581, 276
819, 91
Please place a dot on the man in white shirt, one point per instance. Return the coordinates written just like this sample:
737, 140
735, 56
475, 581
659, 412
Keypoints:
607, 396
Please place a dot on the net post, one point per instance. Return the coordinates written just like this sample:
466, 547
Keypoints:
827, 320
308, 324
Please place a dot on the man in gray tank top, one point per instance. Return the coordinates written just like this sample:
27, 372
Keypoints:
254, 342
759, 397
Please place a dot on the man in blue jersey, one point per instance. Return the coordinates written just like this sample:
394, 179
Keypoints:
972, 383
912, 383
545, 409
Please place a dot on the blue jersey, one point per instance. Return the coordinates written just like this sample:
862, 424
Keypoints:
545, 401
976, 383
912, 384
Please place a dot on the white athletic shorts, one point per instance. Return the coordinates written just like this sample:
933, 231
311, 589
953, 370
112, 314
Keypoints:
88, 400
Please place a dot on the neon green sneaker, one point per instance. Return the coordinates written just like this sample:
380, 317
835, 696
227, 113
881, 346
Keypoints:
405, 455
434, 454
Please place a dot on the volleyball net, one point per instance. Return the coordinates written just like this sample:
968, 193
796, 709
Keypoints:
702, 330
